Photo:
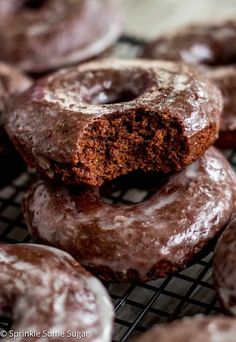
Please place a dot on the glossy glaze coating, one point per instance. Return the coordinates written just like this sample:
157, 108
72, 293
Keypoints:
44, 289
225, 78
41, 35
103, 119
224, 268
143, 241
209, 45
197, 329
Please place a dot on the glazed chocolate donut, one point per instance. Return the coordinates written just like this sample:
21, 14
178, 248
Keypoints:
138, 242
196, 329
207, 45
224, 269
11, 82
40, 35
45, 290
225, 78
103, 119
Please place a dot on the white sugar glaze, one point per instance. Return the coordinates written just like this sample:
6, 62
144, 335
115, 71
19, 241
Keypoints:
51, 292
180, 218
195, 329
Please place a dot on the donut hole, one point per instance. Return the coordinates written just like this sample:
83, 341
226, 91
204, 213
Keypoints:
97, 88
115, 95
33, 5
125, 95
133, 188
221, 60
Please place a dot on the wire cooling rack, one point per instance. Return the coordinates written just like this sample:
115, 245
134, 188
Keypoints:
137, 307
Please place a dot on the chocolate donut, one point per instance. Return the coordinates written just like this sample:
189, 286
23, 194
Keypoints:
11, 82
196, 329
103, 119
225, 78
45, 290
224, 269
138, 242
210, 46
40, 35
205, 44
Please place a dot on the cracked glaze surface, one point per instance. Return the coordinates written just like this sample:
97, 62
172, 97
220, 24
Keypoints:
152, 238
67, 102
43, 288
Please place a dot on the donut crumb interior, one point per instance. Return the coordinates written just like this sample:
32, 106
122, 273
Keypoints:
121, 144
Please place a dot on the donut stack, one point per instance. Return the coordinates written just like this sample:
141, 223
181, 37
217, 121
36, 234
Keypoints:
86, 125
45, 292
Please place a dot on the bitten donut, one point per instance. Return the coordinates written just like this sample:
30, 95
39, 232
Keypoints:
196, 329
211, 46
142, 241
224, 269
40, 35
95, 122
11, 82
46, 291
